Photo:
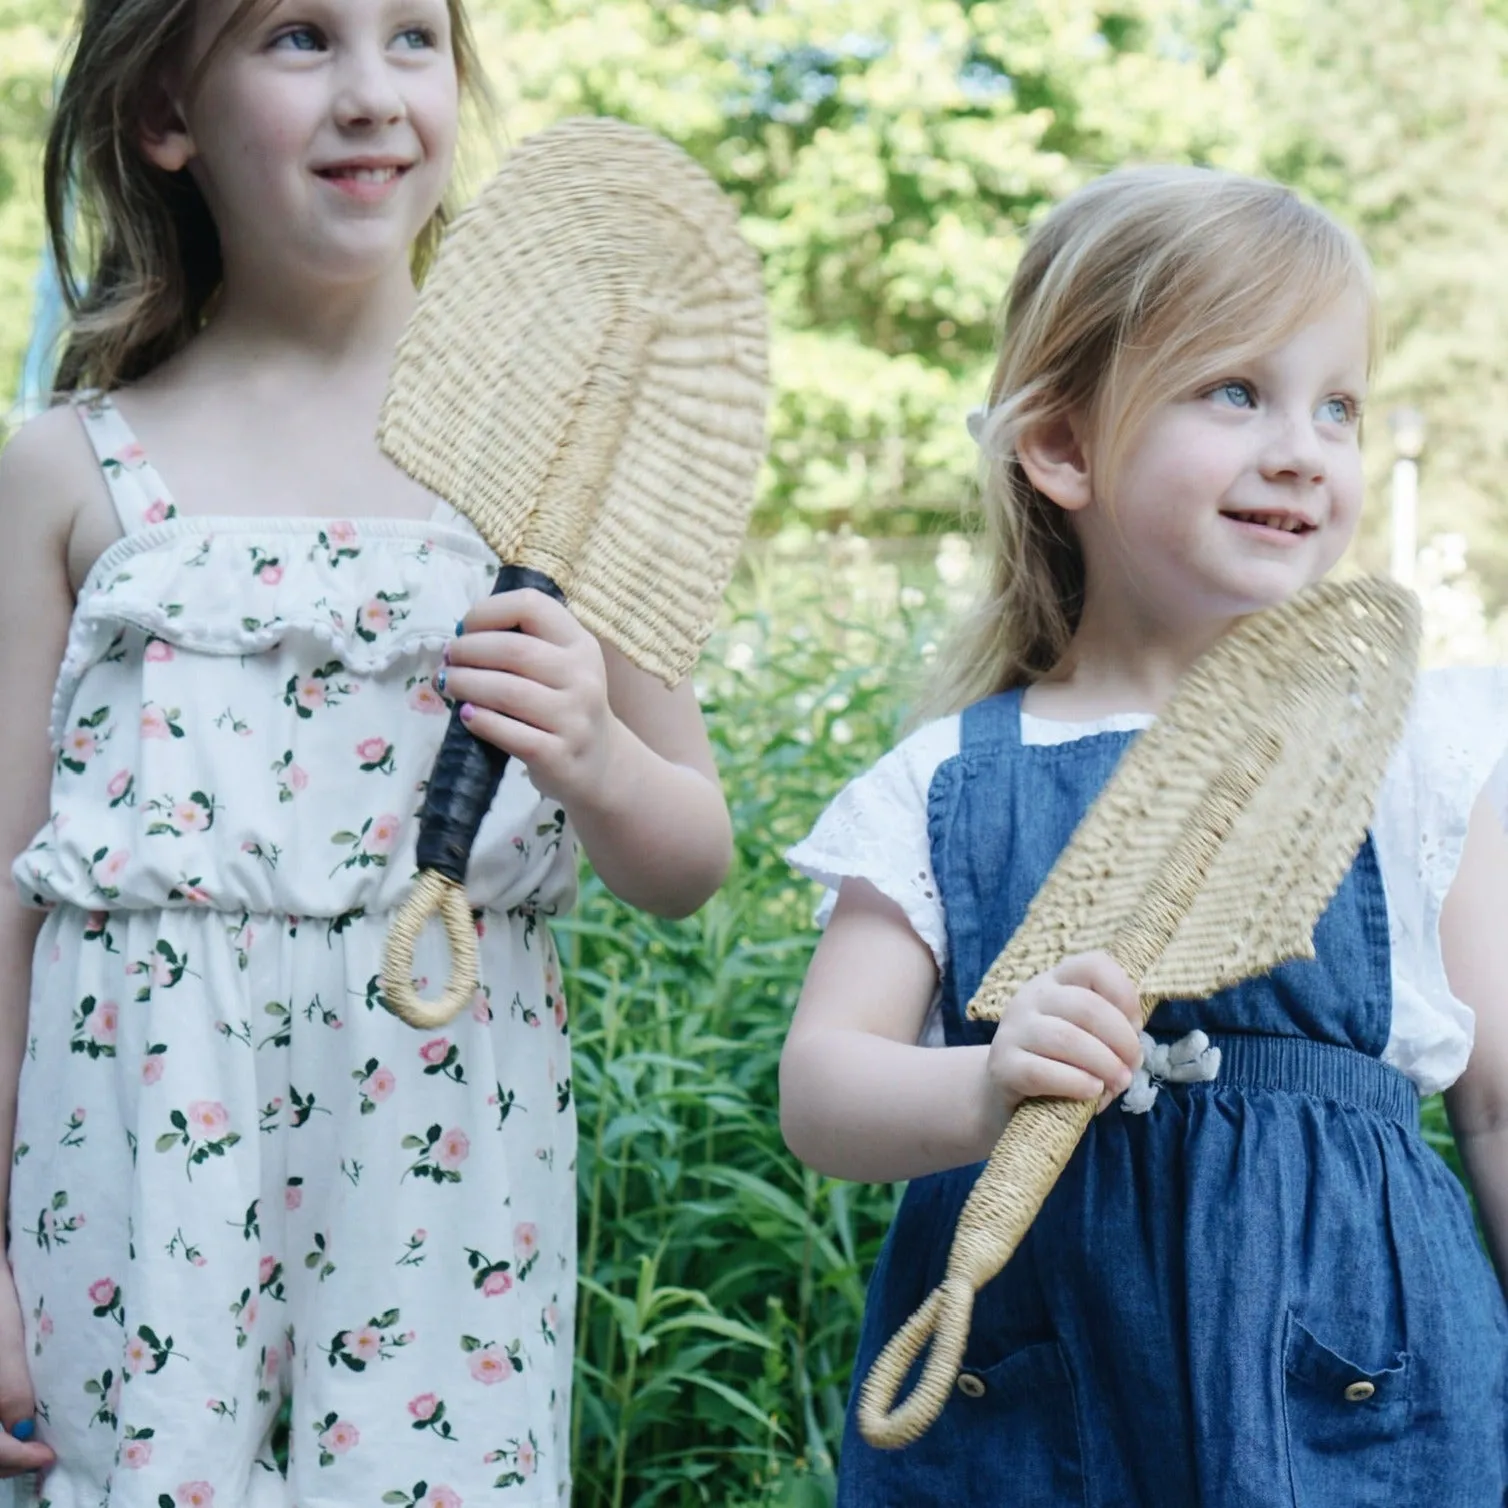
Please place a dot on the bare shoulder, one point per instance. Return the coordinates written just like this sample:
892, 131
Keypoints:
53, 497
48, 478
47, 473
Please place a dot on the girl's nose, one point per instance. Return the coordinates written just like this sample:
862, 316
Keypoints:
366, 92
1294, 451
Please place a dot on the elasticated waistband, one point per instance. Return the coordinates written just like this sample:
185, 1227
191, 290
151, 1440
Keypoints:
1301, 1065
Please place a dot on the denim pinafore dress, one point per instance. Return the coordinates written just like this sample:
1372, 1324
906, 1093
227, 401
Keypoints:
1265, 1291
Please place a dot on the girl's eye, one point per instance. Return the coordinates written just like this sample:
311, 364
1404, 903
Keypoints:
1339, 411
298, 39
417, 38
1235, 394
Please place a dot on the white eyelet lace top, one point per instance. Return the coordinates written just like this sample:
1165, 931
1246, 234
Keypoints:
1452, 751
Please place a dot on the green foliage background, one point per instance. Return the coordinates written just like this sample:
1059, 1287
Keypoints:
888, 156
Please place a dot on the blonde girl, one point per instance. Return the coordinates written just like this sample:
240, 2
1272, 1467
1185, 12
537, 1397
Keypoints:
1265, 1288
228, 637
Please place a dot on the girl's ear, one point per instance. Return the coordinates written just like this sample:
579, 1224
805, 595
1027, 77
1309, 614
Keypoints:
1054, 458
166, 140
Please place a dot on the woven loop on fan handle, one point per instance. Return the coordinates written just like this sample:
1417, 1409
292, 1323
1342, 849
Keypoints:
432, 895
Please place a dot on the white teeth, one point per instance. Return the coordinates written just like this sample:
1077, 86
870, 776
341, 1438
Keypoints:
1285, 523
366, 175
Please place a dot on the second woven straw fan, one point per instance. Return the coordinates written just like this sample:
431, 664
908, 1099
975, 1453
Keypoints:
1207, 859
584, 379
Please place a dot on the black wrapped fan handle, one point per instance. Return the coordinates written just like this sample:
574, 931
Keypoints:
467, 770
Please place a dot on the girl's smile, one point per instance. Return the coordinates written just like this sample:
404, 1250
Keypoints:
366, 180
1277, 528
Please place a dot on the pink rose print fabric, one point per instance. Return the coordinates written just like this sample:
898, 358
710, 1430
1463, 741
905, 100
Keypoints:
238, 1179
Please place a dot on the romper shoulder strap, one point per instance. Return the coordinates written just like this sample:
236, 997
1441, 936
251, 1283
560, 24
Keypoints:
137, 491
993, 723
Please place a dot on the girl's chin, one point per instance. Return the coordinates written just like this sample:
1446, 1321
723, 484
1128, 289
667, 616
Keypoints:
1205, 600
1254, 595
357, 262
356, 248
1267, 580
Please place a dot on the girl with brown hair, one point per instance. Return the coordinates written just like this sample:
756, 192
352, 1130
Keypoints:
238, 1181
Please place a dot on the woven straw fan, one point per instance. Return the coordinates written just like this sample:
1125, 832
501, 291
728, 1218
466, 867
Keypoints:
1207, 859
584, 379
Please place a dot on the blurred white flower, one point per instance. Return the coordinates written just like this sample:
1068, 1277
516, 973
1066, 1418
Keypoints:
913, 598
1456, 629
955, 560
841, 732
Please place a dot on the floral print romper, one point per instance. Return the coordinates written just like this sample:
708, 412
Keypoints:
239, 1179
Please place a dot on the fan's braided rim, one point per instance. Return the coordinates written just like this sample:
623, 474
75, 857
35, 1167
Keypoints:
585, 379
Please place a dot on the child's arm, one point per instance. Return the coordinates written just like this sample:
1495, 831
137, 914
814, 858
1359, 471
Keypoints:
37, 508
859, 1099
1474, 942
628, 760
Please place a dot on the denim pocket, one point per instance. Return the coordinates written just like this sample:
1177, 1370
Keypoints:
1017, 1421
1008, 1434
1346, 1423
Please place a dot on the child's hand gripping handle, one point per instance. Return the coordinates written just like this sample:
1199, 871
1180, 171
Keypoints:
1041, 1136
460, 792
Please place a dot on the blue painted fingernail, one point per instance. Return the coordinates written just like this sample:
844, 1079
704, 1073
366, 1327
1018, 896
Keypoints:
440, 680
23, 1429
460, 627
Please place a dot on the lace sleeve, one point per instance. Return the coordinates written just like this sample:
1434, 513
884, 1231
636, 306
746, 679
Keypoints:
876, 830
1452, 750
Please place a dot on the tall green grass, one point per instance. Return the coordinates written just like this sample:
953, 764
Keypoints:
722, 1283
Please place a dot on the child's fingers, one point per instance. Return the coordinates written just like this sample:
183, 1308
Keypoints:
1028, 1075
1099, 972
512, 696
17, 1403
1090, 1011
19, 1457
531, 611
520, 740
1063, 1041
517, 654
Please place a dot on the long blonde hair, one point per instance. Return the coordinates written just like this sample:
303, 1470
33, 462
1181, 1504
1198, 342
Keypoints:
1133, 290
137, 253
